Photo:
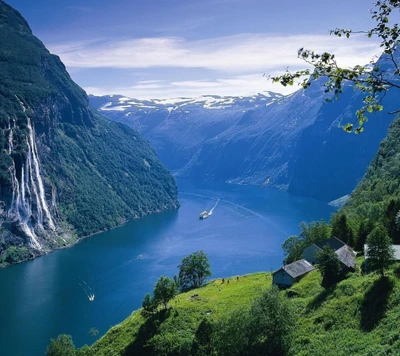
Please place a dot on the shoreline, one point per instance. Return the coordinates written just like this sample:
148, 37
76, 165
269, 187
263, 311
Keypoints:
80, 239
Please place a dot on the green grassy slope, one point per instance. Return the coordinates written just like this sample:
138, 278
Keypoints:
357, 317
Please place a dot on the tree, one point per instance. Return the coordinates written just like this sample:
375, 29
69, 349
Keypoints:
271, 324
193, 270
311, 233
149, 306
329, 266
379, 251
364, 230
372, 80
62, 346
164, 290
202, 345
341, 229
293, 248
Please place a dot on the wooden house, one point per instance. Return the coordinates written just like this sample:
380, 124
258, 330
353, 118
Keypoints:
291, 273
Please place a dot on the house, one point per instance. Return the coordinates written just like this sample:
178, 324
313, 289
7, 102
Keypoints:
310, 252
346, 255
291, 273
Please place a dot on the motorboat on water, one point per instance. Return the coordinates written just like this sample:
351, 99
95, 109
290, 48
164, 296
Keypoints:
204, 215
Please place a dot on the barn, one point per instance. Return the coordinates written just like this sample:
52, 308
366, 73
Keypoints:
291, 273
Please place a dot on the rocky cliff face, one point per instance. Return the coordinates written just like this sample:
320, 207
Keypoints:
65, 171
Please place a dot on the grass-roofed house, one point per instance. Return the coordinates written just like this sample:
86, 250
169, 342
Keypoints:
291, 273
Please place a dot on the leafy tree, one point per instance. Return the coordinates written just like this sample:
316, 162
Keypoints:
202, 345
329, 266
390, 220
149, 306
293, 248
311, 233
193, 270
341, 229
62, 346
271, 324
380, 251
364, 230
231, 334
164, 290
372, 80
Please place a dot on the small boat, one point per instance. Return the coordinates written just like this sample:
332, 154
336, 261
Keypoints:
204, 215
91, 297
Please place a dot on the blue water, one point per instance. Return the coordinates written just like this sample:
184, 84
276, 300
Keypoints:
42, 298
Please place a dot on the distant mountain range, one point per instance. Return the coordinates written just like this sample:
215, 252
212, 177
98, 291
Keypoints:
292, 142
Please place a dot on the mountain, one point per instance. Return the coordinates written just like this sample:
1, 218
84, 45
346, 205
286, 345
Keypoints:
65, 171
292, 142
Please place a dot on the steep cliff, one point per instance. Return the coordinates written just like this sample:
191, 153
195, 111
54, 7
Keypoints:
65, 171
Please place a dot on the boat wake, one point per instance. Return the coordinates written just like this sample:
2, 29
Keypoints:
211, 211
88, 290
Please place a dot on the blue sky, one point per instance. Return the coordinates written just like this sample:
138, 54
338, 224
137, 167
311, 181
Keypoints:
171, 48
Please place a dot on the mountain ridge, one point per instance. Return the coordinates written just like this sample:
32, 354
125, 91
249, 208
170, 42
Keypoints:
63, 171
265, 140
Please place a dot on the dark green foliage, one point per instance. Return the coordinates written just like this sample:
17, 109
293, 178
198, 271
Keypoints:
15, 254
62, 346
272, 322
375, 303
164, 290
130, 182
329, 266
376, 199
202, 342
364, 230
264, 330
310, 233
341, 229
193, 270
231, 334
390, 220
380, 251
149, 306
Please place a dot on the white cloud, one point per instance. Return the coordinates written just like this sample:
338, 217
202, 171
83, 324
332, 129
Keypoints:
238, 85
236, 54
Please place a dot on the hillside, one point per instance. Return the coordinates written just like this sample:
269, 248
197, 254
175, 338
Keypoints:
381, 183
356, 317
65, 171
291, 142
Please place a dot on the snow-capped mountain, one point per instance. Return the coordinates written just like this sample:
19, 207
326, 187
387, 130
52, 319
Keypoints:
293, 142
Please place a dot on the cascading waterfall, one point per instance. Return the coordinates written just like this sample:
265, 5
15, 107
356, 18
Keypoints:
29, 189
36, 166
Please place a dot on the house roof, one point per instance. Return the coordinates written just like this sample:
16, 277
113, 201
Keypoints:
297, 268
347, 256
334, 243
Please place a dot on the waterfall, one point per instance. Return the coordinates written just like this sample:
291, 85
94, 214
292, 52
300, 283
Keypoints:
35, 158
10, 136
29, 189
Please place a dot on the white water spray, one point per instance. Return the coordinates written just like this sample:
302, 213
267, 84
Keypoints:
88, 291
40, 188
29, 188
211, 211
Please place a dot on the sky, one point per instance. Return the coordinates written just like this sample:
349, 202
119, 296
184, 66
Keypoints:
173, 48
